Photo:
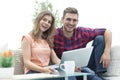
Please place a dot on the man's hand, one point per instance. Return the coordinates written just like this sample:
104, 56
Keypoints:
105, 59
77, 69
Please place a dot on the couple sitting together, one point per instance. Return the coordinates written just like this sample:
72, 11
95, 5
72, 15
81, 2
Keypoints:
44, 43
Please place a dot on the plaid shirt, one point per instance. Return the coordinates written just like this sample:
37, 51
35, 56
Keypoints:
79, 39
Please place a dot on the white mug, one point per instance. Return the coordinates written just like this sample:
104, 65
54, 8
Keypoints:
68, 67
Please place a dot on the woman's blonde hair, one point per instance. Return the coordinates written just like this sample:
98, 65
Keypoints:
47, 35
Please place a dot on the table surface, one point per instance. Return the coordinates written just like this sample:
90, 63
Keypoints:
46, 76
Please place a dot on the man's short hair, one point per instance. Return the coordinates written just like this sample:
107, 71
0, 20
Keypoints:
70, 10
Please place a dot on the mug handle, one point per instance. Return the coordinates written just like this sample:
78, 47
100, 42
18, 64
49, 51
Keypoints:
61, 67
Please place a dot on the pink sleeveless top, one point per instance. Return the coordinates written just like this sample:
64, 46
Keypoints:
40, 53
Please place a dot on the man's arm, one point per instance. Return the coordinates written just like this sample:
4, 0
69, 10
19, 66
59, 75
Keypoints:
105, 59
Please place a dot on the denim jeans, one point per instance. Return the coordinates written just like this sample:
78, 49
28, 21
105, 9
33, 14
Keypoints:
94, 62
92, 75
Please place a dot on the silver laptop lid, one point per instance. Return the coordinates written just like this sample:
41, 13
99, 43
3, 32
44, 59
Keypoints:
80, 56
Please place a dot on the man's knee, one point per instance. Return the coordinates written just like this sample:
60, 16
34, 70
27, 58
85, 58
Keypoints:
99, 40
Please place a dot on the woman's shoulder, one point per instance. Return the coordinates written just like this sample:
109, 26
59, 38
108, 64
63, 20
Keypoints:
28, 37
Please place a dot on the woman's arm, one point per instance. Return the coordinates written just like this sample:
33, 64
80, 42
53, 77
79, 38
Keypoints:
54, 58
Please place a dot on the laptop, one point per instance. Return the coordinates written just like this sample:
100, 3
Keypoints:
80, 56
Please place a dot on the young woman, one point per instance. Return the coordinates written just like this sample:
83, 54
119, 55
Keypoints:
37, 45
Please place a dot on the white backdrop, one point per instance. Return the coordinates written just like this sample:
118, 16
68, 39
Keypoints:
16, 17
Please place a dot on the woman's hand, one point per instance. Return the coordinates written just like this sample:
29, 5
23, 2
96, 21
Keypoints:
48, 70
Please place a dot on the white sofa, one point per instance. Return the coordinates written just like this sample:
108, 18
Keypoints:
113, 70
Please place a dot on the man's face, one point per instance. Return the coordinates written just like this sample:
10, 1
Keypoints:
69, 21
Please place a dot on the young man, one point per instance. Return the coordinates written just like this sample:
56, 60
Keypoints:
70, 37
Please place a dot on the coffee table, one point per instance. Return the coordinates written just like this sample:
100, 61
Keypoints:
40, 76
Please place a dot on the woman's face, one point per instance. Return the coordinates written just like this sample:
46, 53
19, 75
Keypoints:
45, 23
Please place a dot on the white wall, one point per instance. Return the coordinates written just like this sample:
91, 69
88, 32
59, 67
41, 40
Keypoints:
15, 20
16, 17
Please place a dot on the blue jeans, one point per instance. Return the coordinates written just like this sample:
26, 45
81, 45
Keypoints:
92, 75
94, 62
